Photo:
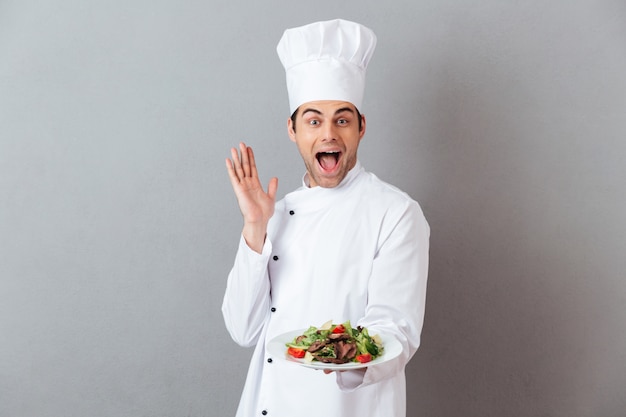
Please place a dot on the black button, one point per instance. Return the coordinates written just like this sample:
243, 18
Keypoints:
292, 212
273, 309
269, 360
264, 412
275, 258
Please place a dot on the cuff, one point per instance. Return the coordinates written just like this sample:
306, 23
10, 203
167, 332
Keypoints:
350, 380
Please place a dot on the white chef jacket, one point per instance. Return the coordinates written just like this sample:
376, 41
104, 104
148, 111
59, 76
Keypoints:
357, 252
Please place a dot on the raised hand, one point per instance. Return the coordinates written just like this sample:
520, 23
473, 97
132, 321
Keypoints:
256, 205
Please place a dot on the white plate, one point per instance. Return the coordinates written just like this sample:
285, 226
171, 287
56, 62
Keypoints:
276, 347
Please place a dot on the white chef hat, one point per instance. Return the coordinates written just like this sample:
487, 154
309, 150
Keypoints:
326, 61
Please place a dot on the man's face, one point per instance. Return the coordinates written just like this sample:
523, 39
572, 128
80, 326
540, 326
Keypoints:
327, 135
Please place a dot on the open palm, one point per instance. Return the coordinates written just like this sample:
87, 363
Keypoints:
256, 205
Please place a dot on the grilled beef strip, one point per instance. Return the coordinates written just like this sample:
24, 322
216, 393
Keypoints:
317, 345
345, 350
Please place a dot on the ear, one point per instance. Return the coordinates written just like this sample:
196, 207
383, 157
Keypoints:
290, 130
363, 124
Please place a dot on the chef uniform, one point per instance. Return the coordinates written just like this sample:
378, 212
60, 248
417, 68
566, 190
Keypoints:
358, 252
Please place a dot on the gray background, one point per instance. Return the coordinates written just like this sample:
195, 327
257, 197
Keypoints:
505, 119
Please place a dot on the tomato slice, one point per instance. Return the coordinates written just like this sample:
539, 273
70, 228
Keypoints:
364, 358
339, 329
295, 352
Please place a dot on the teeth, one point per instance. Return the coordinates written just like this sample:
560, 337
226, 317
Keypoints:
327, 153
334, 154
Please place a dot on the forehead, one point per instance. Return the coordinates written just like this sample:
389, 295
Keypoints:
326, 107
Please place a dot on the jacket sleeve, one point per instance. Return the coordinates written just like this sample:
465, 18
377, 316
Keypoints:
247, 297
396, 292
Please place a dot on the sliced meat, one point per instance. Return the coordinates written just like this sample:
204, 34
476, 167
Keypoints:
345, 350
317, 345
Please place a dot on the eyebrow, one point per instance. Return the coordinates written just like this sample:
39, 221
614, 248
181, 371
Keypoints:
341, 110
311, 110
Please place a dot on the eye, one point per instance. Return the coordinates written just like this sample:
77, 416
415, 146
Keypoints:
314, 122
342, 122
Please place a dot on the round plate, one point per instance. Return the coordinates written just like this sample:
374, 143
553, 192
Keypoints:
276, 347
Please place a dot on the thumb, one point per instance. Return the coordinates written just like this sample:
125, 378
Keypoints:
272, 187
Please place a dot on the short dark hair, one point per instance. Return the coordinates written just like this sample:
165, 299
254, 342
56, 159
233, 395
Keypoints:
295, 114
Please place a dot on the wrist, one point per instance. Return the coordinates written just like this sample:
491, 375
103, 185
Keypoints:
254, 235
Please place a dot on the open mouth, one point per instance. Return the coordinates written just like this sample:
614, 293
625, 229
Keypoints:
328, 160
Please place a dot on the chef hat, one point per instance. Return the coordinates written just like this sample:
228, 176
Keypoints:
326, 61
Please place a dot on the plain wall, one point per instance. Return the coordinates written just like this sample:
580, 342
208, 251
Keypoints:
506, 120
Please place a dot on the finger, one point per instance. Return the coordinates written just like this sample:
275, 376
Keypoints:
234, 180
236, 163
245, 160
252, 161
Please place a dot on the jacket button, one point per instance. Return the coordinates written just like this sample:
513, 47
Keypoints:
273, 309
292, 212
275, 257
264, 412
269, 360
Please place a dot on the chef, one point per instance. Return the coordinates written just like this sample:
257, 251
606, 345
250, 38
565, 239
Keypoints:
343, 246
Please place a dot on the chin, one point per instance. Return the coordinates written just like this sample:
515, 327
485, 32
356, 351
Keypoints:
331, 182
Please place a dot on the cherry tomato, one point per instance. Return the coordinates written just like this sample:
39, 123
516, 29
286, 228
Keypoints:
339, 329
364, 358
295, 352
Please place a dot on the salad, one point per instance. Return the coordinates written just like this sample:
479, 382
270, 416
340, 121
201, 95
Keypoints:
336, 343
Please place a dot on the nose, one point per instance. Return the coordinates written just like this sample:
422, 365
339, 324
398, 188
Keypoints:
329, 133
